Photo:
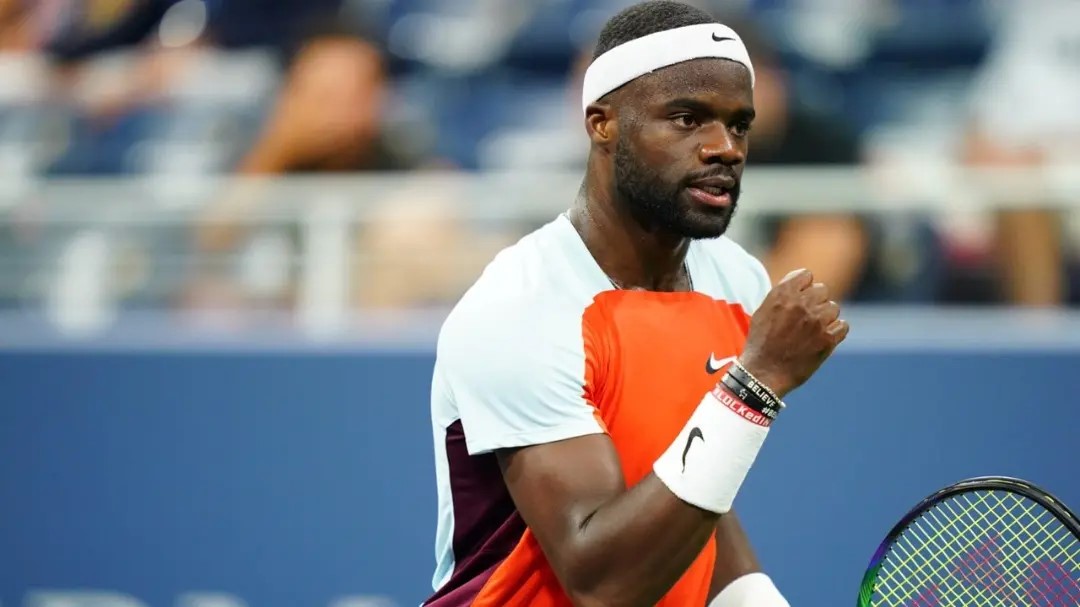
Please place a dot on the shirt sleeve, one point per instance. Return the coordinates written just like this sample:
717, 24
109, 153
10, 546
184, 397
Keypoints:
516, 375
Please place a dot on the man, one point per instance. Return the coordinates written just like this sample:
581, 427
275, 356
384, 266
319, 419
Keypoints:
591, 429
326, 120
1025, 259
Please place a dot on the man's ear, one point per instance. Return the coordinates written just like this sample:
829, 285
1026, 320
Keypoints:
601, 125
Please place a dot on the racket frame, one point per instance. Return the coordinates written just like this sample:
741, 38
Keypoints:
980, 483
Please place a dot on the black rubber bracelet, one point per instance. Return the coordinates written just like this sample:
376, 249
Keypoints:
758, 399
748, 397
751, 384
730, 386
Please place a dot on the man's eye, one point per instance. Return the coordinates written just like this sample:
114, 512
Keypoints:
686, 121
741, 129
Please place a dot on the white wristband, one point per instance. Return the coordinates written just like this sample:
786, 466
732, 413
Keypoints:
751, 590
708, 461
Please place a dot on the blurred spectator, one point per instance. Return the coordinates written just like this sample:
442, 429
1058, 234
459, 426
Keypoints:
411, 250
329, 114
834, 247
119, 63
1025, 116
327, 118
20, 27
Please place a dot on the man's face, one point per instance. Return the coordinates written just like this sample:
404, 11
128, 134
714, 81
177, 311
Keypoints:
682, 146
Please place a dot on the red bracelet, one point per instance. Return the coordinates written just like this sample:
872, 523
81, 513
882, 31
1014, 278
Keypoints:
732, 402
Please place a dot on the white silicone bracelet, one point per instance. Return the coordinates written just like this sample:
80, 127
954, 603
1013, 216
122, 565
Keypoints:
709, 459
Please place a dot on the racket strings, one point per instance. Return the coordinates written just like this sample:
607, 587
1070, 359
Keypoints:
944, 545
932, 563
989, 571
977, 579
992, 548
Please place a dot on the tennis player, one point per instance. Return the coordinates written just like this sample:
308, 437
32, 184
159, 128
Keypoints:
602, 390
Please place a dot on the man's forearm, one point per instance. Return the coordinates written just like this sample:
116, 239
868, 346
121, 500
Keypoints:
737, 578
636, 545
734, 556
612, 545
633, 549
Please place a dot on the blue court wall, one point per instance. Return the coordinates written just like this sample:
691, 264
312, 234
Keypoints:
289, 478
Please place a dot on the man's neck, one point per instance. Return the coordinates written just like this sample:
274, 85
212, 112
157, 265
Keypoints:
631, 256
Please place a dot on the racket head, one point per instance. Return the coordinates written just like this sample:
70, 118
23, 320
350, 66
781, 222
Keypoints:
926, 561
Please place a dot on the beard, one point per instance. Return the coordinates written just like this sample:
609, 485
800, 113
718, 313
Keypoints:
661, 205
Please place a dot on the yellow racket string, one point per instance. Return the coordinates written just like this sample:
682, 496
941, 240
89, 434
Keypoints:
973, 589
942, 530
944, 555
977, 550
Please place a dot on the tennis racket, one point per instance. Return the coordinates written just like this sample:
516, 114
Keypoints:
990, 541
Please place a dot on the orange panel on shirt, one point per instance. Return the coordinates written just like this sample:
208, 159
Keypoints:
646, 371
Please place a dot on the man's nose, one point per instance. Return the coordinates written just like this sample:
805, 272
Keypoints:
720, 146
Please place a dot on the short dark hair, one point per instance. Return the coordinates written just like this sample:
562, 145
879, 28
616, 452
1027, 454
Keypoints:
646, 18
326, 26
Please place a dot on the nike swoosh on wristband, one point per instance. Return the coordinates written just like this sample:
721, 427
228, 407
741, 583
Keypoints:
695, 432
713, 365
720, 39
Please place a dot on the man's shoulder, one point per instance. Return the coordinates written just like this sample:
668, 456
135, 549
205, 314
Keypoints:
527, 286
517, 330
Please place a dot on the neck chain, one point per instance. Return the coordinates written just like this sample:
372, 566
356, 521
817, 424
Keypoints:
686, 268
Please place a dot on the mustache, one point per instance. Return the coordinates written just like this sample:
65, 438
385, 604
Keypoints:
717, 172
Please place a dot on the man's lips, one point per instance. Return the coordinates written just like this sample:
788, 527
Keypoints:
712, 191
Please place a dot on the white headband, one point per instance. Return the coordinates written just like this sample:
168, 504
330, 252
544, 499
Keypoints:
638, 57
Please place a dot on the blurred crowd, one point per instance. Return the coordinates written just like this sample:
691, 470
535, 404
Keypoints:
92, 88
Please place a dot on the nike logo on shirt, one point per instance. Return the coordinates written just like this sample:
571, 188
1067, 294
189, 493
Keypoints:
713, 364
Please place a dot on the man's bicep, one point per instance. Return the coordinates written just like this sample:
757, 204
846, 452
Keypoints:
557, 486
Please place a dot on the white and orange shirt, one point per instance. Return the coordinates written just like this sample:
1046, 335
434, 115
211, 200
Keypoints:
543, 348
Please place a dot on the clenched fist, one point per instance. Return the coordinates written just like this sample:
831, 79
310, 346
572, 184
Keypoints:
793, 331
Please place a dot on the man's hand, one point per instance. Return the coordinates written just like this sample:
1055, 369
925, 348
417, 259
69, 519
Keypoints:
794, 330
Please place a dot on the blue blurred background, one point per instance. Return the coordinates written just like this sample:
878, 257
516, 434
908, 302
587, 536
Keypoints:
230, 230
277, 474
